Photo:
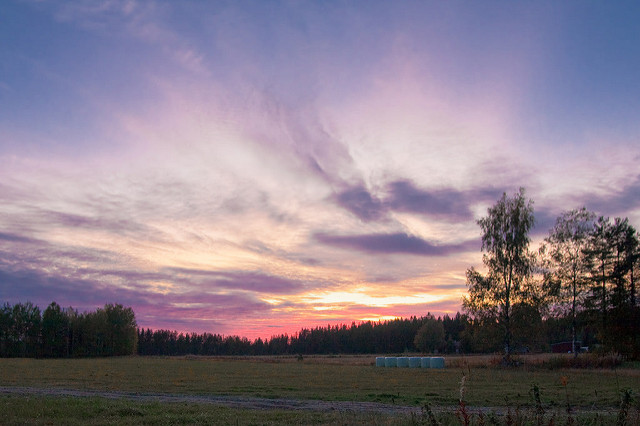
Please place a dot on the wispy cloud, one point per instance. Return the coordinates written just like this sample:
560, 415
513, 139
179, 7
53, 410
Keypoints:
619, 201
257, 282
397, 243
42, 287
186, 311
13, 238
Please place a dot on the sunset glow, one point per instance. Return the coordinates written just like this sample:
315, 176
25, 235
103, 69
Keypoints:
254, 168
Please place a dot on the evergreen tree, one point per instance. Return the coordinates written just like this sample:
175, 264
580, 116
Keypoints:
567, 268
599, 257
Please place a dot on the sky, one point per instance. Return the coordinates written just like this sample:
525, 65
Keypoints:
255, 167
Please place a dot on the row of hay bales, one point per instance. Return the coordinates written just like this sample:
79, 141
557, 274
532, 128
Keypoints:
411, 362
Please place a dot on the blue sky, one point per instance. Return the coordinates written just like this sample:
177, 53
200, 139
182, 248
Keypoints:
254, 167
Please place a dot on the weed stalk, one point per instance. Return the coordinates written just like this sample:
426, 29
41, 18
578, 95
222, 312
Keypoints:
535, 389
462, 414
625, 404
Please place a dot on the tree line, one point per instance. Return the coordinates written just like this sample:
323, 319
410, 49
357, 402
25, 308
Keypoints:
392, 336
429, 334
583, 276
58, 332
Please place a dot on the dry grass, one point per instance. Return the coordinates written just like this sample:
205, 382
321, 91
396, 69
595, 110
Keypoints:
348, 378
540, 384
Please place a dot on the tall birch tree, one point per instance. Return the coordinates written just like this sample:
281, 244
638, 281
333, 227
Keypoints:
505, 243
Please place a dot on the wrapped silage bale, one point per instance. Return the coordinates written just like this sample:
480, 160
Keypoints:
437, 362
414, 362
380, 361
425, 362
391, 361
403, 361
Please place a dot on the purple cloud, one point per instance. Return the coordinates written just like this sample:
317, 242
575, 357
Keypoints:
30, 253
171, 310
361, 203
103, 223
13, 238
41, 288
393, 244
240, 280
448, 204
404, 196
544, 221
618, 202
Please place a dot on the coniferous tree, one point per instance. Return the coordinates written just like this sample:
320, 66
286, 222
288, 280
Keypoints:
599, 256
566, 264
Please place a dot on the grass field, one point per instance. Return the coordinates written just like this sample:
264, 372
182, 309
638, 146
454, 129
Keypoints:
315, 378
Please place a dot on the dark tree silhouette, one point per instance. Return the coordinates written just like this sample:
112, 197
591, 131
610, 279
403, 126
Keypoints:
505, 241
566, 264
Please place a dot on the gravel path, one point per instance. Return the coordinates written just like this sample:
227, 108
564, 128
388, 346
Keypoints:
244, 402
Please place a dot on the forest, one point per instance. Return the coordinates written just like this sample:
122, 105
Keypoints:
25, 331
578, 287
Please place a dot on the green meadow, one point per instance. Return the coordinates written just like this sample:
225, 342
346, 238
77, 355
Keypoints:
486, 387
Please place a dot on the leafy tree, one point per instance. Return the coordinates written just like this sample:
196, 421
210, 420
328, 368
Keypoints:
75, 332
527, 327
430, 336
6, 327
55, 331
121, 326
505, 241
25, 332
482, 334
567, 267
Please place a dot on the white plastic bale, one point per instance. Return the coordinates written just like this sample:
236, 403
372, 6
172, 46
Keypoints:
403, 361
437, 362
425, 362
414, 362
391, 361
380, 361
